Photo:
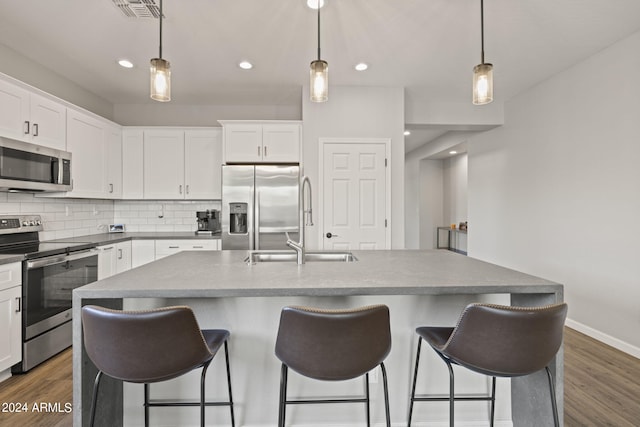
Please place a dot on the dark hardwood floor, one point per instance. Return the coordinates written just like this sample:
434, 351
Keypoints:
602, 388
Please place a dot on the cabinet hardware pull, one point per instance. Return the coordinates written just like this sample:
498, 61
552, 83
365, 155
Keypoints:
119, 253
35, 129
258, 151
265, 151
19, 301
110, 188
187, 188
198, 247
180, 188
27, 130
174, 247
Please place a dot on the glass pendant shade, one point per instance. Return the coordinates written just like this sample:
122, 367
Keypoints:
482, 84
319, 83
160, 80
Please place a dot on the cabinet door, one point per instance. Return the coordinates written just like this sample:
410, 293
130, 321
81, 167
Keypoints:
113, 142
280, 143
14, 112
48, 122
10, 324
132, 164
123, 256
142, 252
243, 143
106, 261
164, 164
202, 164
86, 142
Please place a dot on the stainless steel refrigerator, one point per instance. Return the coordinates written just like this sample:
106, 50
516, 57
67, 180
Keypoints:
259, 204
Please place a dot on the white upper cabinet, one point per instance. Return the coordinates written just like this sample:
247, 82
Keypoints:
31, 117
202, 164
261, 142
172, 163
132, 163
164, 164
95, 146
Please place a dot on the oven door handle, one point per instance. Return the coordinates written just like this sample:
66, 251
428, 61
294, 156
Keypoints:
59, 259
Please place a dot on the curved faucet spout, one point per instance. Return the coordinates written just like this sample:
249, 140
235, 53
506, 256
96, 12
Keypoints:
299, 246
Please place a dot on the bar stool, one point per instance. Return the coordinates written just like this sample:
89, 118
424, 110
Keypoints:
333, 345
497, 341
152, 346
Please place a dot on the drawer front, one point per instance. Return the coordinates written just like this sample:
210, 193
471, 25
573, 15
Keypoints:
168, 247
10, 275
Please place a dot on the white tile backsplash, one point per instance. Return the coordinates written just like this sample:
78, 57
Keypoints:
63, 218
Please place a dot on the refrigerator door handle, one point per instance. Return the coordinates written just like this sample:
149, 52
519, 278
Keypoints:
251, 217
256, 221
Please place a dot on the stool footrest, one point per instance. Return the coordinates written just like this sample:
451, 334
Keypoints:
344, 400
165, 403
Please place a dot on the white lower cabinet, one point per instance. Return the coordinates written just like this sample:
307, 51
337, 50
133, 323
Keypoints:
114, 258
10, 315
142, 252
169, 247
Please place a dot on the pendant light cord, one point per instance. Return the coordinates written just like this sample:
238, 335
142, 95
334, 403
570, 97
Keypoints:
481, 30
318, 30
160, 29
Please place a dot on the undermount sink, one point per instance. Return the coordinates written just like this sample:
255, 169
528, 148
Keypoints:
255, 257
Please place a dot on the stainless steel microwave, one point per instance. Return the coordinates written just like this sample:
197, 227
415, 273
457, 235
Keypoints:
30, 167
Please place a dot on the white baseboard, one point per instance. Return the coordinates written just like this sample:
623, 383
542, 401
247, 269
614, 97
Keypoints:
5, 375
607, 339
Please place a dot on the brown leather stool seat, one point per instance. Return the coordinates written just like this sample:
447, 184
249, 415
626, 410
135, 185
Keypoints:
498, 341
333, 345
151, 346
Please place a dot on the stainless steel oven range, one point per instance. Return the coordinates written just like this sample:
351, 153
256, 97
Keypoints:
50, 272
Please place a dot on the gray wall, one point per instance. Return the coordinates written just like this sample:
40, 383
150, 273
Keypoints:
554, 192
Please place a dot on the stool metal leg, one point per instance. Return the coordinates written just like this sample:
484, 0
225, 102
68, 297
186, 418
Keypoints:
94, 398
366, 388
146, 405
283, 395
554, 405
203, 377
493, 400
451, 393
415, 380
226, 358
386, 394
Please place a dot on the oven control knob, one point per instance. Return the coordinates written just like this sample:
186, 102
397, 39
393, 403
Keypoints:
32, 222
38, 222
25, 223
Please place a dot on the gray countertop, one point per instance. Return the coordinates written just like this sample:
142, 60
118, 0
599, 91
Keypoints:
224, 274
106, 238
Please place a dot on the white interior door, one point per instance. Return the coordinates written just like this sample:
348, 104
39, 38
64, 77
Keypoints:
354, 196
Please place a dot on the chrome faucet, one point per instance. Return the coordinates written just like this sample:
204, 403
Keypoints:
304, 212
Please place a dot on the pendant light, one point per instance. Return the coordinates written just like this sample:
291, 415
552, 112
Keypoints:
483, 72
319, 73
160, 73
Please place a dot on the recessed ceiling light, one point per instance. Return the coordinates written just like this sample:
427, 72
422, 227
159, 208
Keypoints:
361, 66
453, 152
407, 133
313, 4
125, 63
245, 65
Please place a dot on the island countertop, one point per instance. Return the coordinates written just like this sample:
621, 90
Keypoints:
394, 272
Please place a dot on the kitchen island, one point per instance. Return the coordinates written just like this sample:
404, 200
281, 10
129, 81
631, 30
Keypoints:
420, 287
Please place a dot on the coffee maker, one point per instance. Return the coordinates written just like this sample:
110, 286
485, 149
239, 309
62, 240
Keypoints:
208, 221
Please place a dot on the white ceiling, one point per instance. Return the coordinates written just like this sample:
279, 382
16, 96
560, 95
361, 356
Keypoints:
427, 46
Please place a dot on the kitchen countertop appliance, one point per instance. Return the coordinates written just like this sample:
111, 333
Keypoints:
208, 221
50, 272
259, 205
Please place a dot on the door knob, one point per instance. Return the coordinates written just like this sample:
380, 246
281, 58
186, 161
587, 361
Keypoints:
329, 235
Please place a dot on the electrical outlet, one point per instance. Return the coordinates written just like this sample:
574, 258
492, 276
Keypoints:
373, 376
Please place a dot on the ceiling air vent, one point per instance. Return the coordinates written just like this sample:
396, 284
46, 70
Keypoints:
138, 8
